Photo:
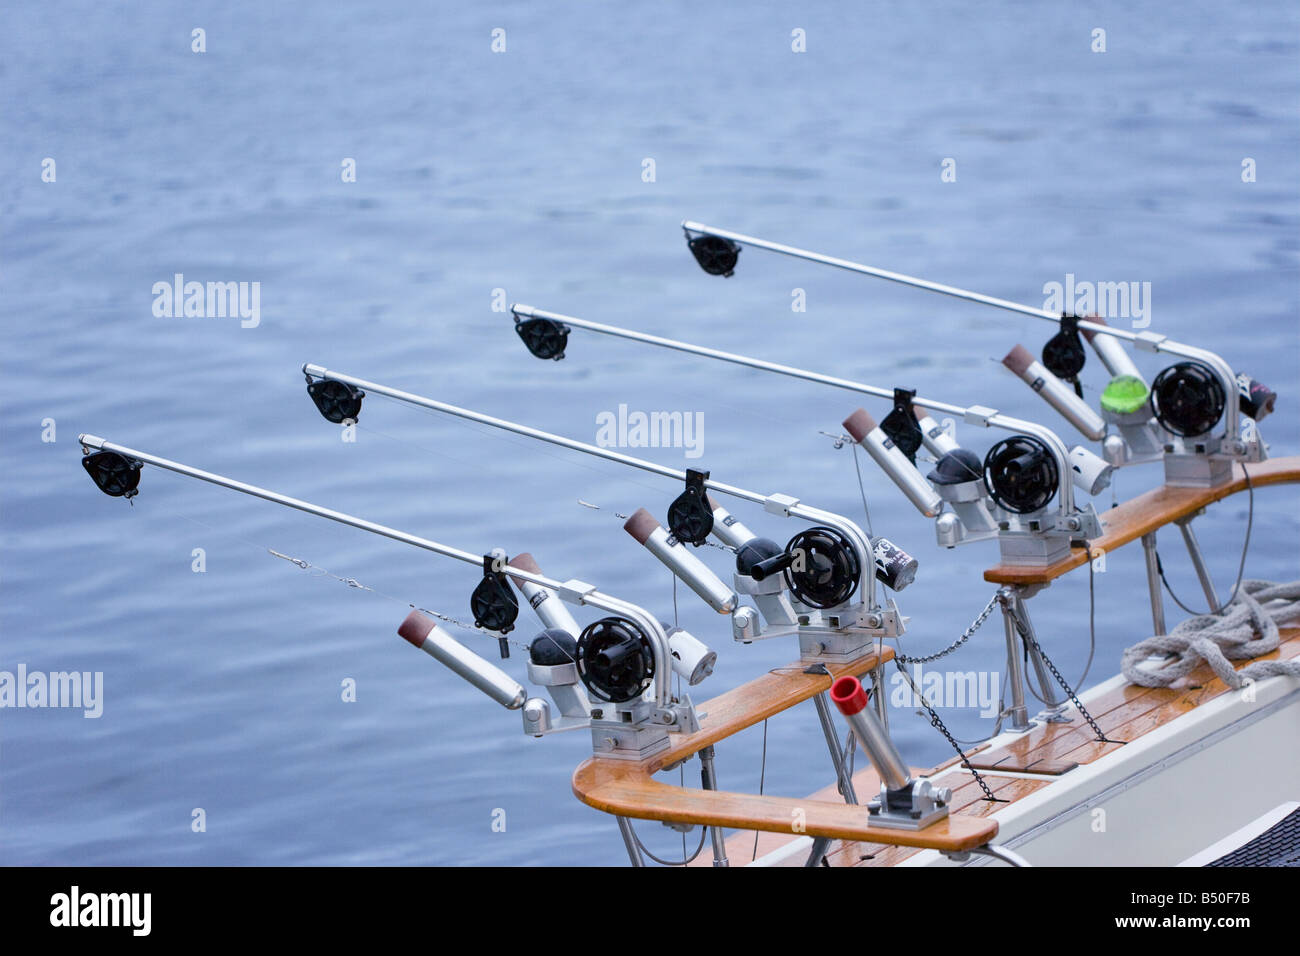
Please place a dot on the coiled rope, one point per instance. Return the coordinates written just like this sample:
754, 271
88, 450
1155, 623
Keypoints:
1246, 627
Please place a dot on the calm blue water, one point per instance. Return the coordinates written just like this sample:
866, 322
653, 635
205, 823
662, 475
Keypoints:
522, 171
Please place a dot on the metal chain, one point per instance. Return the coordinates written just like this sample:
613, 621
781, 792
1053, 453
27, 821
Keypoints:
939, 725
966, 636
1029, 639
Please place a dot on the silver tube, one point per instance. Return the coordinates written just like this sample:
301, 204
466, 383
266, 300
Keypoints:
1111, 353
676, 558
709, 781
1155, 343
528, 311
727, 528
1018, 712
698, 227
459, 659
549, 609
1198, 562
1055, 392
796, 510
986, 418
92, 441
937, 441
693, 661
629, 841
851, 699
893, 462
1153, 583
589, 596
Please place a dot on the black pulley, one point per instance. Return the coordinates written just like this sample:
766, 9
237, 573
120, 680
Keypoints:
1063, 354
337, 401
615, 659
824, 568
690, 519
493, 603
716, 256
1187, 399
114, 474
900, 424
1020, 474
545, 338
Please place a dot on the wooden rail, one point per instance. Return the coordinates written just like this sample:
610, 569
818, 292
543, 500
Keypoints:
628, 788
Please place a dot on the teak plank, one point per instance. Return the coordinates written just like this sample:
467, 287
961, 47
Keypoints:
627, 789
1123, 715
1147, 512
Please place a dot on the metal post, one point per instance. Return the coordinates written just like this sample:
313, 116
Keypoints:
833, 744
821, 845
709, 780
1153, 583
1015, 673
1198, 562
629, 841
1045, 680
878, 690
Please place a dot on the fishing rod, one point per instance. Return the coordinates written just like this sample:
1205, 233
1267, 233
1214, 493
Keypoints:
1188, 399
1020, 475
618, 658
823, 567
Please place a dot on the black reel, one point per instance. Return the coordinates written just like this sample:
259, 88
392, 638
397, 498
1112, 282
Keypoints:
823, 568
1020, 474
900, 424
956, 468
751, 555
1187, 399
552, 647
337, 401
493, 603
545, 338
615, 660
716, 256
115, 475
1063, 354
690, 519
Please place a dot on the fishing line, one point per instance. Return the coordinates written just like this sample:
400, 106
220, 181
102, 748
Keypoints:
686, 861
862, 488
349, 582
1241, 566
592, 506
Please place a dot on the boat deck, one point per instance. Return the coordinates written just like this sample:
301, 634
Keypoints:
1041, 756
